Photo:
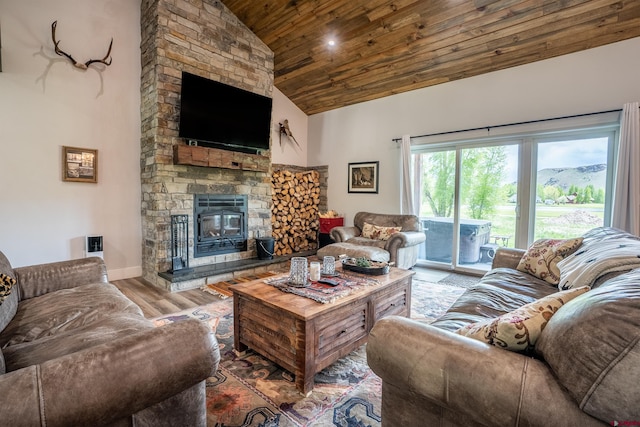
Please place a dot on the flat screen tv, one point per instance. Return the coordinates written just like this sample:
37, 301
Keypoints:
221, 116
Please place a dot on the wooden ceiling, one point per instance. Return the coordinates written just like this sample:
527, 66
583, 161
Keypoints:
384, 47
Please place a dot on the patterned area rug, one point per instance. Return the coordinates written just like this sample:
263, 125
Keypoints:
249, 390
460, 280
221, 289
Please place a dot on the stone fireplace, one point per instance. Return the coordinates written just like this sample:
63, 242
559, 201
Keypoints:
204, 38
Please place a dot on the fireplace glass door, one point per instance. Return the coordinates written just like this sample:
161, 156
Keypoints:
221, 224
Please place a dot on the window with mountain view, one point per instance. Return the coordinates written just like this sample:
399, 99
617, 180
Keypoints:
475, 197
571, 187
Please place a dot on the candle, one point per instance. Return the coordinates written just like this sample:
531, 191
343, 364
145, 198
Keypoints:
314, 271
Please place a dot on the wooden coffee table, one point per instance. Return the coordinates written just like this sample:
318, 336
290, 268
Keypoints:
305, 336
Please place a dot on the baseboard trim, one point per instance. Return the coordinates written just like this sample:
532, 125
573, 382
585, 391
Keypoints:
124, 273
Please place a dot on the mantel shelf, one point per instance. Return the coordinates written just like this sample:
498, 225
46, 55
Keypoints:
214, 158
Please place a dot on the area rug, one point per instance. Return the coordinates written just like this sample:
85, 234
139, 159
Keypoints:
249, 390
459, 280
221, 289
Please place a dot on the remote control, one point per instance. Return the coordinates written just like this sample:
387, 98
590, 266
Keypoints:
328, 282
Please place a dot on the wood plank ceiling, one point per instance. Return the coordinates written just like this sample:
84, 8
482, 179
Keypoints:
384, 47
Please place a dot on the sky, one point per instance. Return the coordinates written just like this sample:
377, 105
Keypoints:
564, 154
571, 154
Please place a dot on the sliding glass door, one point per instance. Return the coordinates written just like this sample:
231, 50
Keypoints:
437, 202
477, 197
468, 199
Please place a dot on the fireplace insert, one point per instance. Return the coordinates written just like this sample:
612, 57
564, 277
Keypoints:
220, 224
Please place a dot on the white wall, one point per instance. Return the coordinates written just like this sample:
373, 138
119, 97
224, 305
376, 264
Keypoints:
598, 79
283, 150
45, 103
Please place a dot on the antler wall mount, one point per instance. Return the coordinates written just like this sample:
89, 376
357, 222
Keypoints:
83, 66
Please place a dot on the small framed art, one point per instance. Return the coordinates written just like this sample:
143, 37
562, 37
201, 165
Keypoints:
363, 177
79, 164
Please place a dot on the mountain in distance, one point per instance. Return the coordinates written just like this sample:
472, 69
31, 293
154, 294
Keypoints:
581, 176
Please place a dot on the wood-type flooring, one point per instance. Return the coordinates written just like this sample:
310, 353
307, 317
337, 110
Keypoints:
156, 302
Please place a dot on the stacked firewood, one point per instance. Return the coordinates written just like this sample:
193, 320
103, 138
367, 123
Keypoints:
294, 216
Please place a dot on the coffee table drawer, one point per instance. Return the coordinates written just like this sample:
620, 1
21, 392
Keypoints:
341, 328
390, 303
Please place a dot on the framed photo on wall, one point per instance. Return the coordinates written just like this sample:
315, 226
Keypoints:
363, 177
79, 164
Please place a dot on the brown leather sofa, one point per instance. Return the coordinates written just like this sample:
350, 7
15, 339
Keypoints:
75, 351
401, 248
583, 371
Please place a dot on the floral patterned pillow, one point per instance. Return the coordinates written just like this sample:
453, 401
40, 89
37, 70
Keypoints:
377, 232
542, 258
6, 283
519, 330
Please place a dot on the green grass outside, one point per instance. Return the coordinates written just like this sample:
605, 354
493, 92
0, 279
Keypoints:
552, 221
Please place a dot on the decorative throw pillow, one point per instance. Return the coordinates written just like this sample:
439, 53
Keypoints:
542, 257
6, 283
519, 330
377, 232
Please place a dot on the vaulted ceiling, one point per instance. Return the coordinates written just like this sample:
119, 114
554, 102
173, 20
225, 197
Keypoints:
384, 47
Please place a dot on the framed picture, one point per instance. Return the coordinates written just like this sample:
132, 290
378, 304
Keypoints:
79, 164
363, 177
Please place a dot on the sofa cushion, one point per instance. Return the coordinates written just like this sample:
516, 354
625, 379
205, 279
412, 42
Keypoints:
354, 251
406, 222
8, 311
519, 329
604, 250
543, 255
9, 305
500, 291
363, 241
377, 232
593, 347
66, 321
6, 285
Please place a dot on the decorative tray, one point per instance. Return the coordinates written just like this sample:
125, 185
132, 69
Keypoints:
376, 268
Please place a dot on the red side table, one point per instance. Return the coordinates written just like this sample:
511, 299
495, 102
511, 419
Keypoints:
326, 224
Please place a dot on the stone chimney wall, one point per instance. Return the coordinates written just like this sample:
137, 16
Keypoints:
204, 38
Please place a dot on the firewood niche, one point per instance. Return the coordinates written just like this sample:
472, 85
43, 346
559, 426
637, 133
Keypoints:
193, 155
294, 219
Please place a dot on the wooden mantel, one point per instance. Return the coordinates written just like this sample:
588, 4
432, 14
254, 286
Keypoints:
214, 158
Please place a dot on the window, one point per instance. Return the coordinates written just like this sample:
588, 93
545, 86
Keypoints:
509, 190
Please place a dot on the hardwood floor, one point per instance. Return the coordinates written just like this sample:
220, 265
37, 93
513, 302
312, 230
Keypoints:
156, 302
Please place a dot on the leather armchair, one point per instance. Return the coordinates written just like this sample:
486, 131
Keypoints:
403, 247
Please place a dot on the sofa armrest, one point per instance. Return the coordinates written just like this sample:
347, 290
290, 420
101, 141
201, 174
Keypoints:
404, 239
36, 280
507, 258
102, 384
342, 234
491, 385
